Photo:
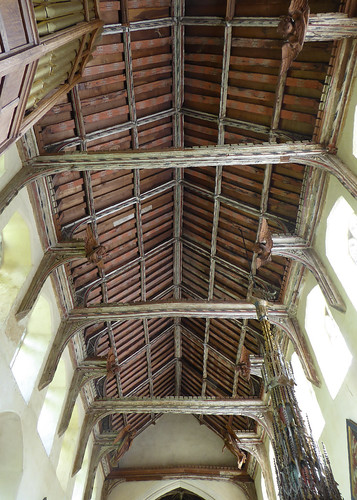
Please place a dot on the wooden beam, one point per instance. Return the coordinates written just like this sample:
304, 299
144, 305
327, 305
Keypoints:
321, 27
187, 472
86, 371
297, 152
107, 132
253, 408
295, 248
82, 317
246, 126
178, 93
52, 259
11, 63
94, 368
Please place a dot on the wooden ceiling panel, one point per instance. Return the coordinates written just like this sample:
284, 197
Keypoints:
154, 82
205, 8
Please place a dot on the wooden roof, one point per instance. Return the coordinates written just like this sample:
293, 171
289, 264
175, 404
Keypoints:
167, 74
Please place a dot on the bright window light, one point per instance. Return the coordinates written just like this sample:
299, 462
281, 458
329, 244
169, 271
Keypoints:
48, 419
28, 359
341, 246
330, 348
307, 399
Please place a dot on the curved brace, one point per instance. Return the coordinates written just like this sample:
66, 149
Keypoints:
20, 180
332, 164
265, 419
53, 258
292, 329
81, 376
98, 452
255, 409
259, 452
308, 257
67, 329
90, 419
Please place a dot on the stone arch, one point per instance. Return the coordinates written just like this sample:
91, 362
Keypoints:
11, 454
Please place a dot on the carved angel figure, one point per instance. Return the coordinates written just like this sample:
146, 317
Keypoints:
244, 364
95, 252
112, 367
232, 444
293, 28
264, 245
125, 439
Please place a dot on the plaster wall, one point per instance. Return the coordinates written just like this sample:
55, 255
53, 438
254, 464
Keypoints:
31, 474
177, 440
343, 406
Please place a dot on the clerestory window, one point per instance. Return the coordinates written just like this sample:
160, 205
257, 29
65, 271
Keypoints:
328, 343
341, 246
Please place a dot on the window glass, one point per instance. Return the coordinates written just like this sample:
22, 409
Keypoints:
341, 246
28, 358
307, 399
330, 348
51, 409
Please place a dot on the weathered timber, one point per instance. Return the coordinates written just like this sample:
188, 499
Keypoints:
80, 318
99, 450
332, 164
188, 472
241, 124
47, 44
321, 27
182, 158
258, 450
95, 368
88, 370
253, 408
52, 259
295, 248
295, 152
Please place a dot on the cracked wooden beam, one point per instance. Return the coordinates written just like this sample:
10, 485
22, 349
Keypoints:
295, 248
52, 259
80, 318
252, 408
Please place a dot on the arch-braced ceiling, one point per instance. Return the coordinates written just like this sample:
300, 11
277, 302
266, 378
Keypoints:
171, 75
